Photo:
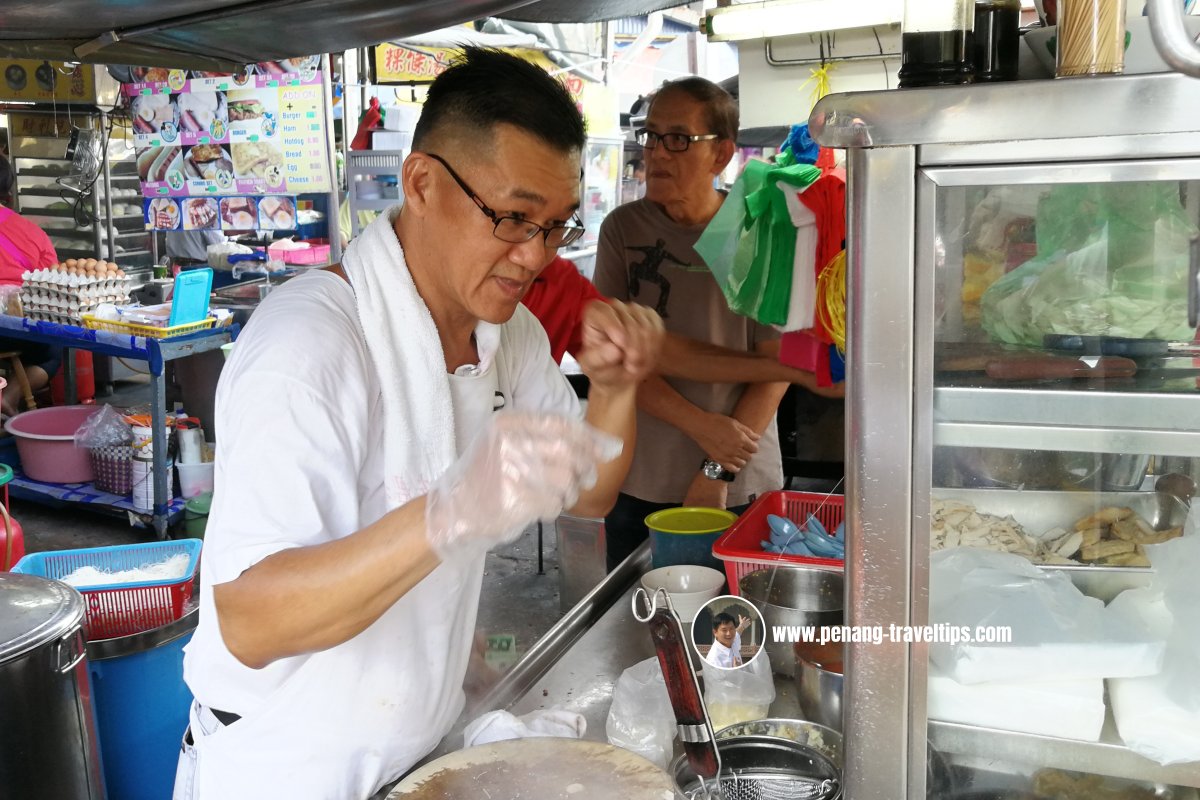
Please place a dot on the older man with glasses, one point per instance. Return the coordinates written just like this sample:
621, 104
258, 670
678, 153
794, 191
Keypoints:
382, 425
699, 442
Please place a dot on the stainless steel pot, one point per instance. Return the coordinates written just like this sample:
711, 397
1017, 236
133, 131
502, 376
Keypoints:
793, 596
48, 747
820, 691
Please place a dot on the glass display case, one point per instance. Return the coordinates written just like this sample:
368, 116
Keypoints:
1023, 367
602, 171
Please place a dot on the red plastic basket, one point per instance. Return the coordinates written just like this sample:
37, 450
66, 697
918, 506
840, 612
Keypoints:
740, 547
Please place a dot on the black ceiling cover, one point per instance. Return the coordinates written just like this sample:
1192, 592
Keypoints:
224, 34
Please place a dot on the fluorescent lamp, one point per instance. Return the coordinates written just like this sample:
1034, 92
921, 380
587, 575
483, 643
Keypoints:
763, 20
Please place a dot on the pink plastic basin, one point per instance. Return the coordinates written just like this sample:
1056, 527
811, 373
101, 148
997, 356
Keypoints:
46, 443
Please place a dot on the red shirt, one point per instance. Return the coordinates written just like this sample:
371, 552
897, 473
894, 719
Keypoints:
23, 246
557, 298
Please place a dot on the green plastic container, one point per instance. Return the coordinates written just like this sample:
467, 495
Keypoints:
686, 535
195, 515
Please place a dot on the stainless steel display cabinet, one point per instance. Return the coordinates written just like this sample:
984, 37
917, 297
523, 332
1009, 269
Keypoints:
932, 172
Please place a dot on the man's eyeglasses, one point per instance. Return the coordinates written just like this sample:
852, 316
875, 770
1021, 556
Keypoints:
517, 230
674, 142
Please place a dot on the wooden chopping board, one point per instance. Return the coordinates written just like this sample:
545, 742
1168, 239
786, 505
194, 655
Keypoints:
544, 768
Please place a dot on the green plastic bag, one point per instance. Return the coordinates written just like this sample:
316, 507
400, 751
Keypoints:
750, 243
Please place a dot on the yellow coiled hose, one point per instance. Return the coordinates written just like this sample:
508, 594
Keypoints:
831, 300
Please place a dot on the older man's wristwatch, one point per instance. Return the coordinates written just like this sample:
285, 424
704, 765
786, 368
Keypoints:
715, 471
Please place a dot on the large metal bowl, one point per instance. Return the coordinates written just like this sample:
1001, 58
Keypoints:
793, 596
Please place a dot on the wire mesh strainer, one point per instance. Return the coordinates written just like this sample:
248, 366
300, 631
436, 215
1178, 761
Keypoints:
764, 768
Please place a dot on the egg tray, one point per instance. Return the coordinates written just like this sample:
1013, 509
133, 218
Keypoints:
73, 307
94, 294
56, 317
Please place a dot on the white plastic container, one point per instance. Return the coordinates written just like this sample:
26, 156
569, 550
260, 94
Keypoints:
195, 479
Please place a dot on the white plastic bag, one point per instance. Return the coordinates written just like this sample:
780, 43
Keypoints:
1159, 716
1057, 632
641, 719
741, 694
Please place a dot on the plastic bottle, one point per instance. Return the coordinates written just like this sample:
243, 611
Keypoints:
936, 43
997, 39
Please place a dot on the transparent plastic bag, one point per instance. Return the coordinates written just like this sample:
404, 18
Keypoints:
1158, 716
741, 694
641, 719
1014, 622
105, 427
1111, 259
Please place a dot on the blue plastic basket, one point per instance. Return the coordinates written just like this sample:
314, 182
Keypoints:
121, 609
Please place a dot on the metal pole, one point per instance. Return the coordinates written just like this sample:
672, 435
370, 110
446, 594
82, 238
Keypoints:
331, 218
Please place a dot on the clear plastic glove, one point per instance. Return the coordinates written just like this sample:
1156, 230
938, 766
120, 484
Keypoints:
523, 468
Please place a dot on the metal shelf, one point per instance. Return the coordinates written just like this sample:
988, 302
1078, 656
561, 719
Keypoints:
74, 233
1116, 422
1107, 757
34, 172
43, 192
47, 212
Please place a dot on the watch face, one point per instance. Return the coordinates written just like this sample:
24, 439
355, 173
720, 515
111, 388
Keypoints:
712, 470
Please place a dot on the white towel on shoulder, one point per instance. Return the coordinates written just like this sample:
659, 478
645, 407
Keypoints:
418, 415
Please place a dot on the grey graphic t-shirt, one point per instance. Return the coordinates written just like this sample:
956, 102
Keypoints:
645, 257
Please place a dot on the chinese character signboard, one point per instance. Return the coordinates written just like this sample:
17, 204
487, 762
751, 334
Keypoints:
222, 151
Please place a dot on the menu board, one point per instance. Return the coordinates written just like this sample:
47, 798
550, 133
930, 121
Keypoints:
237, 213
246, 138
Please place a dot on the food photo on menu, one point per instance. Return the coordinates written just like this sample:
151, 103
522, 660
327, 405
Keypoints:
201, 112
207, 162
258, 161
200, 213
150, 74
239, 213
276, 213
153, 112
162, 214
158, 164
253, 112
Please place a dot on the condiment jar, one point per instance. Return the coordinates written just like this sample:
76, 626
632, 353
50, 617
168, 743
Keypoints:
997, 39
936, 42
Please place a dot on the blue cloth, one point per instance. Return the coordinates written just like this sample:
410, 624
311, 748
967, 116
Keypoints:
837, 365
804, 149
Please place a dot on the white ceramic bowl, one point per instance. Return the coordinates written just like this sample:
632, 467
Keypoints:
1141, 56
689, 586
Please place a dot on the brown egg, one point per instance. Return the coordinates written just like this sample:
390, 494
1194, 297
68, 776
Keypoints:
120, 273
70, 262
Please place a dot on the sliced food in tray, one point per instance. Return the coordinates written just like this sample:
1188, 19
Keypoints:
1058, 528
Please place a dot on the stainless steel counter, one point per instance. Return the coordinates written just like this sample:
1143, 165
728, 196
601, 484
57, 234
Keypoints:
583, 679
577, 672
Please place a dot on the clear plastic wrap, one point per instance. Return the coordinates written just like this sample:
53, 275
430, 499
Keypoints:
105, 427
741, 694
641, 719
522, 468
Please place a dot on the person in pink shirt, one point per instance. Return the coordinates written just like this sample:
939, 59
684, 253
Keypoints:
23, 247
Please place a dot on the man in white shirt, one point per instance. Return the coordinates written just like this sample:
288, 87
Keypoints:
361, 472
723, 654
